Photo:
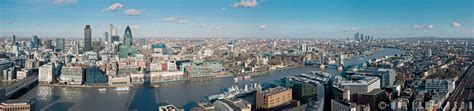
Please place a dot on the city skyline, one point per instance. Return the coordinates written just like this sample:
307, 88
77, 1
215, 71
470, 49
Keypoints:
235, 18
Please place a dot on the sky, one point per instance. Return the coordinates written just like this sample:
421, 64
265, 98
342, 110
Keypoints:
236, 18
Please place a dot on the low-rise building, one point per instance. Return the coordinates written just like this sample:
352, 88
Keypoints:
273, 97
13, 105
232, 105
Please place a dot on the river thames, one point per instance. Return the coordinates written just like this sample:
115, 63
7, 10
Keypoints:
141, 97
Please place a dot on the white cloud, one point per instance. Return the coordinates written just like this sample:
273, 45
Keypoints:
169, 19
429, 26
182, 21
246, 3
176, 20
217, 28
113, 7
353, 29
133, 12
416, 27
55, 2
204, 26
263, 27
455, 24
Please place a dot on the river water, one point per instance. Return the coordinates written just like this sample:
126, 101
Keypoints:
143, 98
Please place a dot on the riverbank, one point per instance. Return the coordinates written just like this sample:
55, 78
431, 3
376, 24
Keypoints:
80, 86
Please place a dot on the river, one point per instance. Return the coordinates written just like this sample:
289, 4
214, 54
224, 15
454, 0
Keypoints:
143, 98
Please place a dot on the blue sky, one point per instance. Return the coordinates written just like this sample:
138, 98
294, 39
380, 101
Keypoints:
235, 18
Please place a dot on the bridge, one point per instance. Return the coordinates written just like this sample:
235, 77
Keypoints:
18, 85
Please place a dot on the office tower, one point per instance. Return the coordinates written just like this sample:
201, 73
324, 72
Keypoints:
356, 36
47, 44
13, 40
60, 44
113, 30
87, 38
115, 38
45, 73
35, 42
106, 37
96, 47
303, 47
361, 37
127, 37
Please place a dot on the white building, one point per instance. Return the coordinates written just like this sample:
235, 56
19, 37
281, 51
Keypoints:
46, 73
362, 85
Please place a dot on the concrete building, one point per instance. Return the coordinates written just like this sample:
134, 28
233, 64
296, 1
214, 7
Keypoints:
87, 38
273, 97
386, 76
12, 105
46, 73
373, 99
72, 75
340, 105
119, 80
357, 84
437, 85
232, 105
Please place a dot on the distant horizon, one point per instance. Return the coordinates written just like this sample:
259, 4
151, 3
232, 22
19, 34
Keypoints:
239, 18
94, 38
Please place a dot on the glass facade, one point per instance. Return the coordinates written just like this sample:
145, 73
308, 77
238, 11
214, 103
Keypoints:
95, 76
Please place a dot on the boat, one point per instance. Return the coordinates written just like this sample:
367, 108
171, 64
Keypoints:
235, 91
102, 89
155, 86
247, 77
122, 88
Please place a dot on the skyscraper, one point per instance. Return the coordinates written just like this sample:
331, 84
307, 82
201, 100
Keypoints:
60, 44
127, 37
13, 40
106, 37
87, 38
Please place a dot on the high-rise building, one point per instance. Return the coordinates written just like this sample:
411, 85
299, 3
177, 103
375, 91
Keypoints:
13, 40
106, 37
113, 30
303, 47
47, 44
60, 44
114, 38
356, 36
127, 37
87, 38
35, 42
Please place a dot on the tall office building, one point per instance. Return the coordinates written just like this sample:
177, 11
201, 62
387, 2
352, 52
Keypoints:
113, 30
356, 36
13, 40
87, 38
127, 37
60, 44
303, 47
47, 44
35, 42
106, 37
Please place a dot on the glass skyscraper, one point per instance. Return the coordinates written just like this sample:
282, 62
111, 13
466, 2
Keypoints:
127, 37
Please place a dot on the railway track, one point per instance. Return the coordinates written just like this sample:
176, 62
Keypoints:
463, 91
